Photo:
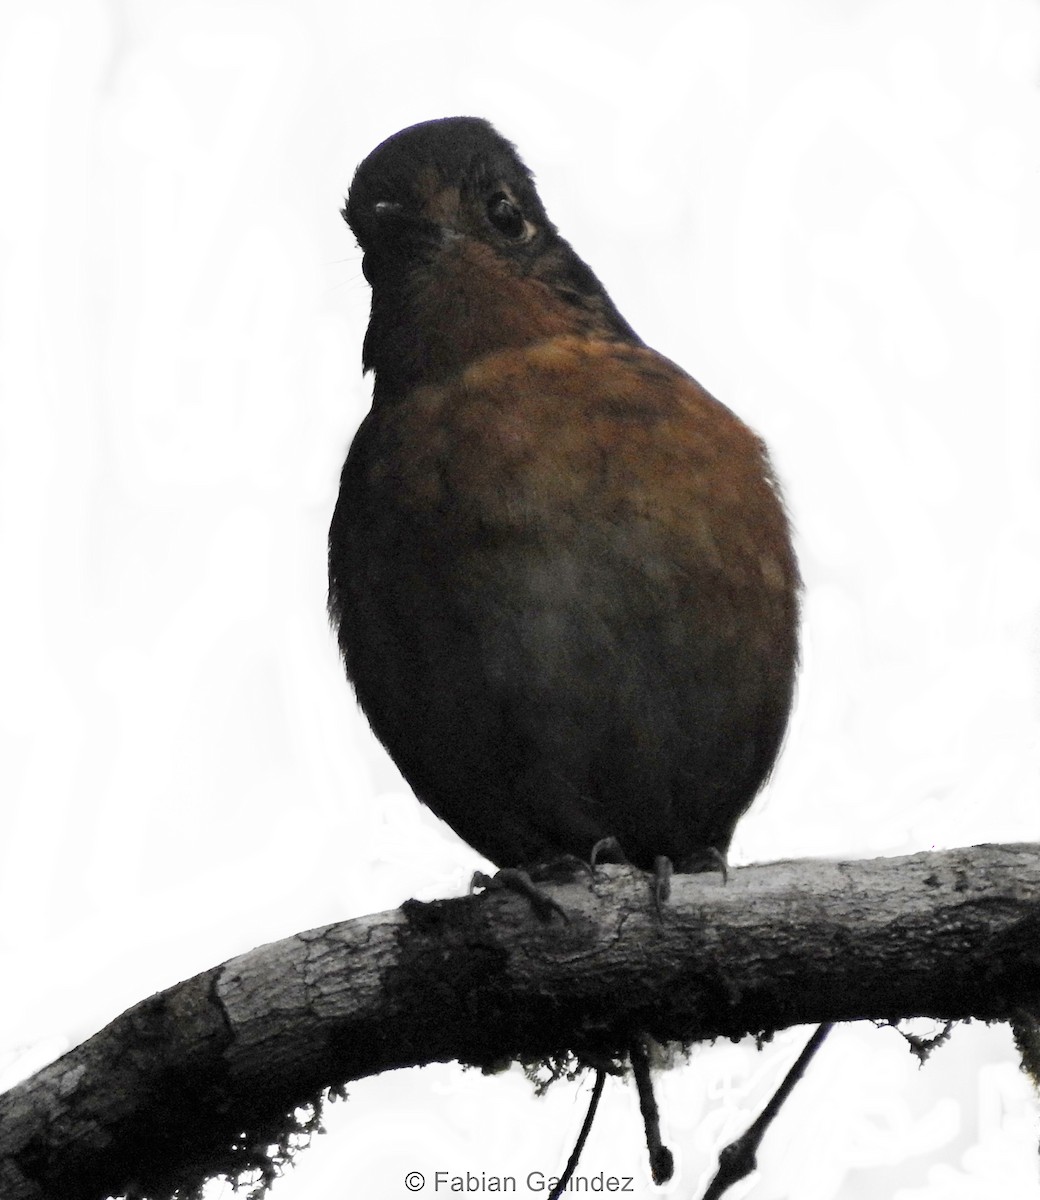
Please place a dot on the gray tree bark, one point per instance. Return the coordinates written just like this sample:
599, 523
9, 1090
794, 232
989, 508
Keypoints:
201, 1079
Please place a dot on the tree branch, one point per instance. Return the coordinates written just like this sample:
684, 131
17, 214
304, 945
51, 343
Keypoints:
197, 1080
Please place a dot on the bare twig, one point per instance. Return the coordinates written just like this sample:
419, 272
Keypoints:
579, 1145
739, 1158
661, 1162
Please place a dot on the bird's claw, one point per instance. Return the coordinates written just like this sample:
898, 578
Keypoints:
513, 879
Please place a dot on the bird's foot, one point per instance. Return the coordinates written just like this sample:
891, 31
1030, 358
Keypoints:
513, 879
707, 858
563, 869
662, 881
609, 849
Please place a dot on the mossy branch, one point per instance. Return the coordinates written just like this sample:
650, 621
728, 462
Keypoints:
198, 1080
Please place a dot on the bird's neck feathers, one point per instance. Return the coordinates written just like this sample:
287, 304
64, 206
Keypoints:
429, 324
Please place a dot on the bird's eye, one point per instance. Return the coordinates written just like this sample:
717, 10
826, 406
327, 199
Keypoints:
506, 216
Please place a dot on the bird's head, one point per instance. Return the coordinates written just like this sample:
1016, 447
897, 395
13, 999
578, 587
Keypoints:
461, 255
439, 181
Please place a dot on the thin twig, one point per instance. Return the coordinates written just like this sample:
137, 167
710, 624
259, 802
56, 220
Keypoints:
579, 1145
661, 1162
738, 1159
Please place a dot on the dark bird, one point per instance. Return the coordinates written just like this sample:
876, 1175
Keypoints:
560, 571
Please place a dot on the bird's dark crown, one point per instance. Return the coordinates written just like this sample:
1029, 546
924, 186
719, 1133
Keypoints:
415, 174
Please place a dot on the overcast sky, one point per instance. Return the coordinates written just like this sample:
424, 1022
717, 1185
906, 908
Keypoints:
825, 210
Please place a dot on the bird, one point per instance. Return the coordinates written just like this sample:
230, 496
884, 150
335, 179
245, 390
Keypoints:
561, 573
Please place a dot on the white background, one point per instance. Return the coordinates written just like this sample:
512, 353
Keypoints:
825, 209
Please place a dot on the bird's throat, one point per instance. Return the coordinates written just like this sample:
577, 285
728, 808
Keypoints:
431, 323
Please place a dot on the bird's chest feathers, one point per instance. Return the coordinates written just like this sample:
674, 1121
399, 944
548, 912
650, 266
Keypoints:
553, 436
452, 456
